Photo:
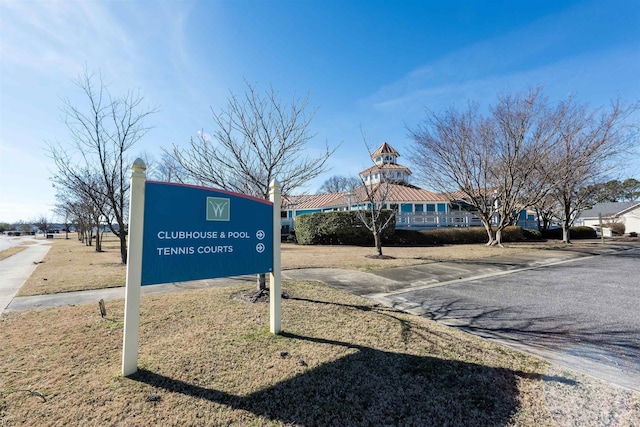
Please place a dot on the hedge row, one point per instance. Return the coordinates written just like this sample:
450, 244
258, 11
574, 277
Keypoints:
337, 228
458, 235
443, 236
345, 228
580, 232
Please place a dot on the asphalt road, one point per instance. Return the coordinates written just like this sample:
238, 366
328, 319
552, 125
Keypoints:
584, 314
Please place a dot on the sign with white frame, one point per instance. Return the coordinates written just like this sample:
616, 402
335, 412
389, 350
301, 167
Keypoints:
181, 232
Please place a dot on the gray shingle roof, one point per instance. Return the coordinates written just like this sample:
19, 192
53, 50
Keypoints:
608, 208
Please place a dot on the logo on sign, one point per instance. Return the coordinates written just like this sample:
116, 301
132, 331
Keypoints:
218, 209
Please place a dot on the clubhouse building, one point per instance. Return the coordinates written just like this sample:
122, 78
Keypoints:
415, 207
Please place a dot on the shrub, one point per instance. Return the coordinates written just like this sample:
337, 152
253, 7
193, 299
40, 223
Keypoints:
531, 234
457, 235
411, 238
579, 232
454, 235
337, 228
617, 228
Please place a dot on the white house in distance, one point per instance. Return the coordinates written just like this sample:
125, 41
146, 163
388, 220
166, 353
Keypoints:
627, 213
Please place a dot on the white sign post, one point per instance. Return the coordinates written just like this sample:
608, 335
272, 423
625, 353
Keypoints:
275, 277
134, 270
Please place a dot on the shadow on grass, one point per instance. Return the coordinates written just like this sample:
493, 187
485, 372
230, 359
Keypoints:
374, 387
362, 307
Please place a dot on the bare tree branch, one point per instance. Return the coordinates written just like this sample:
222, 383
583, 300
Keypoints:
588, 147
487, 161
94, 157
257, 138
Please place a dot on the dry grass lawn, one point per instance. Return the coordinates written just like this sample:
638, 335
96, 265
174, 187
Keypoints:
71, 266
207, 358
355, 257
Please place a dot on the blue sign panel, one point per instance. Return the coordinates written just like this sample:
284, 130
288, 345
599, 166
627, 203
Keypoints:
193, 233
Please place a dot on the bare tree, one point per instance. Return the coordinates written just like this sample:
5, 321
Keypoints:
258, 138
373, 210
84, 221
372, 198
64, 214
42, 222
91, 206
80, 206
101, 133
167, 169
588, 146
339, 184
488, 161
546, 211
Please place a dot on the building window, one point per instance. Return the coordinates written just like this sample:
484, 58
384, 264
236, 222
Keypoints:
419, 208
431, 207
442, 207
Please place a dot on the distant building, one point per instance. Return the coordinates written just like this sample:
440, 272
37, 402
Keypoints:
627, 213
415, 207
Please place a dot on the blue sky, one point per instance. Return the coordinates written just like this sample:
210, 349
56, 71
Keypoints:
370, 65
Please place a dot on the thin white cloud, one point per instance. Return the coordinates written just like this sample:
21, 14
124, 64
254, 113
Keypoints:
513, 61
60, 38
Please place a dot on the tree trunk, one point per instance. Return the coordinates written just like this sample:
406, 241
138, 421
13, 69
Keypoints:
498, 240
378, 242
566, 224
261, 282
98, 241
123, 246
490, 233
566, 233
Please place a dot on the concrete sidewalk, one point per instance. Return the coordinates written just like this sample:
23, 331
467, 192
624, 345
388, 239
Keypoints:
110, 294
16, 269
377, 285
